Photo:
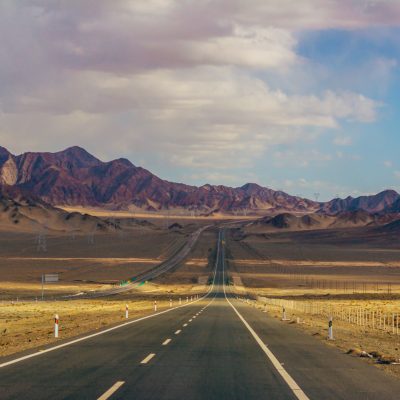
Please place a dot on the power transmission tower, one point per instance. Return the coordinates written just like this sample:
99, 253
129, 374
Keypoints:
41, 240
91, 234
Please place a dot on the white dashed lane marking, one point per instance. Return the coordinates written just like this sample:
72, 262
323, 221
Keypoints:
147, 359
111, 391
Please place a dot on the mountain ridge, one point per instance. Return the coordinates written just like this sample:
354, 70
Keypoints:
74, 177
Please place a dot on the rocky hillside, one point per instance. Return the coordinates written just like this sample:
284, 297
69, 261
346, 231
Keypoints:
23, 213
386, 201
76, 178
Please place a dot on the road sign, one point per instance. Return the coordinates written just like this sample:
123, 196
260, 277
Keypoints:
50, 278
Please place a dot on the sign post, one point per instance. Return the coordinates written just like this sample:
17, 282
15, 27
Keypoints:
48, 278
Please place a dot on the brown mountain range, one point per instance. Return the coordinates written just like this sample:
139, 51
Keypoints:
74, 177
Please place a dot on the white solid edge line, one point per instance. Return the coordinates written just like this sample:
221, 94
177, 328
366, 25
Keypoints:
111, 391
298, 392
60, 346
148, 358
166, 342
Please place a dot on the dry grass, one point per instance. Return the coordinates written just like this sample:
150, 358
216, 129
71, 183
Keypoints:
82, 267
349, 337
340, 275
109, 259
30, 325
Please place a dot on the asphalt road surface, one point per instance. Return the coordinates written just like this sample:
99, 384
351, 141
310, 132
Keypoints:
215, 348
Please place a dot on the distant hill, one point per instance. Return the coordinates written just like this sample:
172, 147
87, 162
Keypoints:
345, 219
22, 213
74, 177
386, 201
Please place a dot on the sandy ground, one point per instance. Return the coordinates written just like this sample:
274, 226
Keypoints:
349, 338
84, 266
31, 325
178, 215
345, 274
198, 267
106, 260
288, 264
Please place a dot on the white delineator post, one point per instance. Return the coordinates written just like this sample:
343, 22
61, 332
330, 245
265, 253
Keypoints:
155, 305
187, 299
126, 311
180, 301
170, 302
56, 321
330, 329
283, 314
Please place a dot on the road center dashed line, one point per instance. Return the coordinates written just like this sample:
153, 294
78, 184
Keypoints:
111, 391
148, 358
297, 391
167, 341
184, 324
178, 332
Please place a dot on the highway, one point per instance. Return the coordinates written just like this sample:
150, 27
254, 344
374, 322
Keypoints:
215, 348
154, 272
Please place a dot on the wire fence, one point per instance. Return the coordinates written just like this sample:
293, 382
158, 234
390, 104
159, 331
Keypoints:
379, 320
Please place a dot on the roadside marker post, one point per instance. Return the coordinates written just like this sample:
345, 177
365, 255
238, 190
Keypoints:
187, 299
180, 301
170, 302
155, 305
284, 314
330, 328
56, 321
126, 311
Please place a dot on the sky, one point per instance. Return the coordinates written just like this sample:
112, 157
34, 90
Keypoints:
296, 95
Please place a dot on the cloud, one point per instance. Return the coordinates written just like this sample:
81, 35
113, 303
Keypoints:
325, 190
300, 158
342, 141
185, 83
388, 163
